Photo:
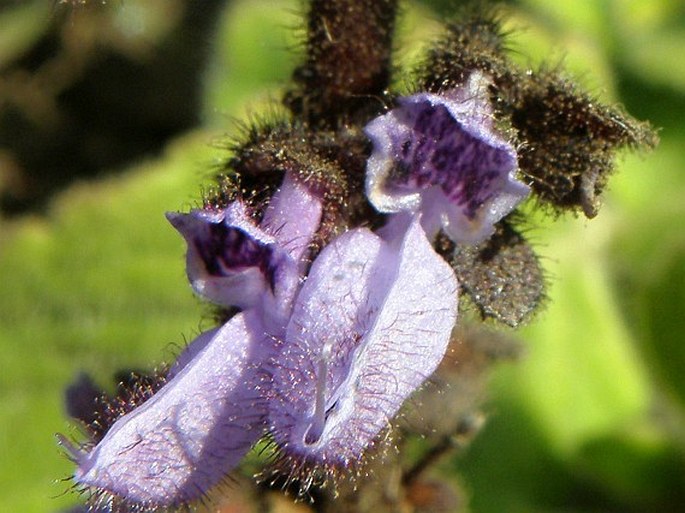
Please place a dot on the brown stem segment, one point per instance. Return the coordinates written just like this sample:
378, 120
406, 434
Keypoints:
465, 431
349, 45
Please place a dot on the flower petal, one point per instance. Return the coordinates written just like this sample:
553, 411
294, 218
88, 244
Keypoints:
293, 216
371, 323
183, 440
230, 261
439, 154
233, 262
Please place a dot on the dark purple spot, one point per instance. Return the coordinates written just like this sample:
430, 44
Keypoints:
230, 250
441, 153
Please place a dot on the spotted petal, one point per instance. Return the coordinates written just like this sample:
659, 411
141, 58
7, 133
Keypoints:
233, 262
439, 154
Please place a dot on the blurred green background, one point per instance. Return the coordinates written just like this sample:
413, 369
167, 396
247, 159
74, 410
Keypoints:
92, 277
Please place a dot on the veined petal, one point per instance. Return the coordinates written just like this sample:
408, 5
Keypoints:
293, 216
371, 323
183, 440
439, 154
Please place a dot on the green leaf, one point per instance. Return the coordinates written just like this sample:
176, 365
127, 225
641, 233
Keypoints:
98, 284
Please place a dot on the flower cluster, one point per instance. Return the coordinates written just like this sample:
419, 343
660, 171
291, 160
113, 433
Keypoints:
334, 248
320, 355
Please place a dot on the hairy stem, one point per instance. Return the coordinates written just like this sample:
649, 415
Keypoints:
349, 45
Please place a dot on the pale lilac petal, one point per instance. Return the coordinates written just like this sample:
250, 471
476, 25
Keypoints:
184, 439
293, 216
191, 351
371, 323
438, 154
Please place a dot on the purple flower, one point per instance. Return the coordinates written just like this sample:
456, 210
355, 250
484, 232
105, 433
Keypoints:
440, 155
183, 440
233, 262
174, 447
325, 375
371, 323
